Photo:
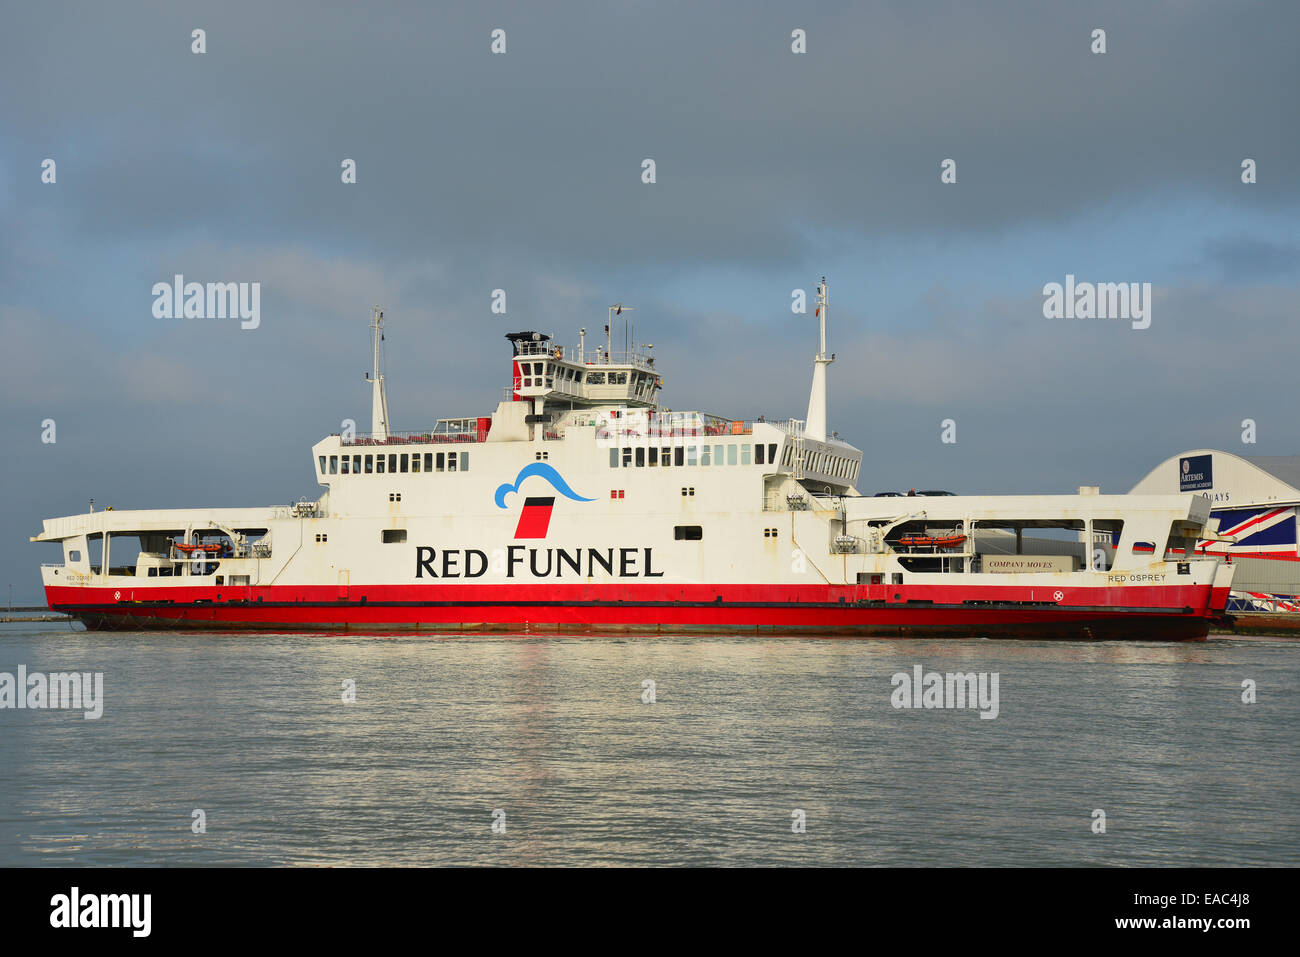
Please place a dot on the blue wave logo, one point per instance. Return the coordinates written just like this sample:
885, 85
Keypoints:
541, 470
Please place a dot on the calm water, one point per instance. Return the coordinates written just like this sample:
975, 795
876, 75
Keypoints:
553, 732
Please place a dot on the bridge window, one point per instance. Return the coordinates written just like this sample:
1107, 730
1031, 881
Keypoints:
679, 456
613, 458
627, 457
370, 464
406, 462
322, 465
731, 455
640, 457
744, 454
356, 465
665, 457
428, 461
717, 454
415, 461
653, 454
692, 455
345, 465
392, 462
442, 461
464, 461
704, 455
688, 533
379, 464
758, 455
334, 464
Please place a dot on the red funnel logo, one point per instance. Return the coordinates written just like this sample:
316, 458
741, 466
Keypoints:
535, 519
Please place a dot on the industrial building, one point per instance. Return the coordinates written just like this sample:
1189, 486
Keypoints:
1255, 500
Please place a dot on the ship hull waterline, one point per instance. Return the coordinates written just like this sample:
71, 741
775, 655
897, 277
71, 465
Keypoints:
861, 618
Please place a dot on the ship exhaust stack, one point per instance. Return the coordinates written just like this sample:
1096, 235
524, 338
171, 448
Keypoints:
816, 420
379, 402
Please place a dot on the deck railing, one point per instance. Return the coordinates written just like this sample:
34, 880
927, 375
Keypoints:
405, 437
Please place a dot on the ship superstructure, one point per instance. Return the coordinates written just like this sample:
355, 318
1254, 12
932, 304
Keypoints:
581, 503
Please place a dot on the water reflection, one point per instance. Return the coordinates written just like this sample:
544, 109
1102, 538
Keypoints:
553, 731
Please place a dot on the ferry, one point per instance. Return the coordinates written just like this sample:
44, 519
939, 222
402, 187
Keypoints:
582, 504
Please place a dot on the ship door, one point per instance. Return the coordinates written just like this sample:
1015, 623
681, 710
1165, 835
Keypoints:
345, 578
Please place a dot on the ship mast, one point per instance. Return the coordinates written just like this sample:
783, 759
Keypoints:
379, 403
615, 310
816, 422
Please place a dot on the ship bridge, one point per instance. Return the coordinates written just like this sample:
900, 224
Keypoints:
581, 377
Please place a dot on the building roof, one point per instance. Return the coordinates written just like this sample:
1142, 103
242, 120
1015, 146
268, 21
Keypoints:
1284, 467
1230, 479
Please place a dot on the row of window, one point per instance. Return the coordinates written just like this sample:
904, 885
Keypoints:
823, 462
534, 373
690, 455
394, 462
539, 375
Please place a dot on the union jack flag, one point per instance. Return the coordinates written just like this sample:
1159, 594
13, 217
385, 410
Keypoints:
1264, 531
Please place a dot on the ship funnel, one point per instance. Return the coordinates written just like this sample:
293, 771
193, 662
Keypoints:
816, 420
379, 394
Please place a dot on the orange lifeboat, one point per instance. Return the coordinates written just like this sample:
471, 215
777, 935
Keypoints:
204, 549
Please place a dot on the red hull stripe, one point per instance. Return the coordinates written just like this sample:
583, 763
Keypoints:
1176, 612
1171, 596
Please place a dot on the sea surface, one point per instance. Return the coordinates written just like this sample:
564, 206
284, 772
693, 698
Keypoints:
554, 740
